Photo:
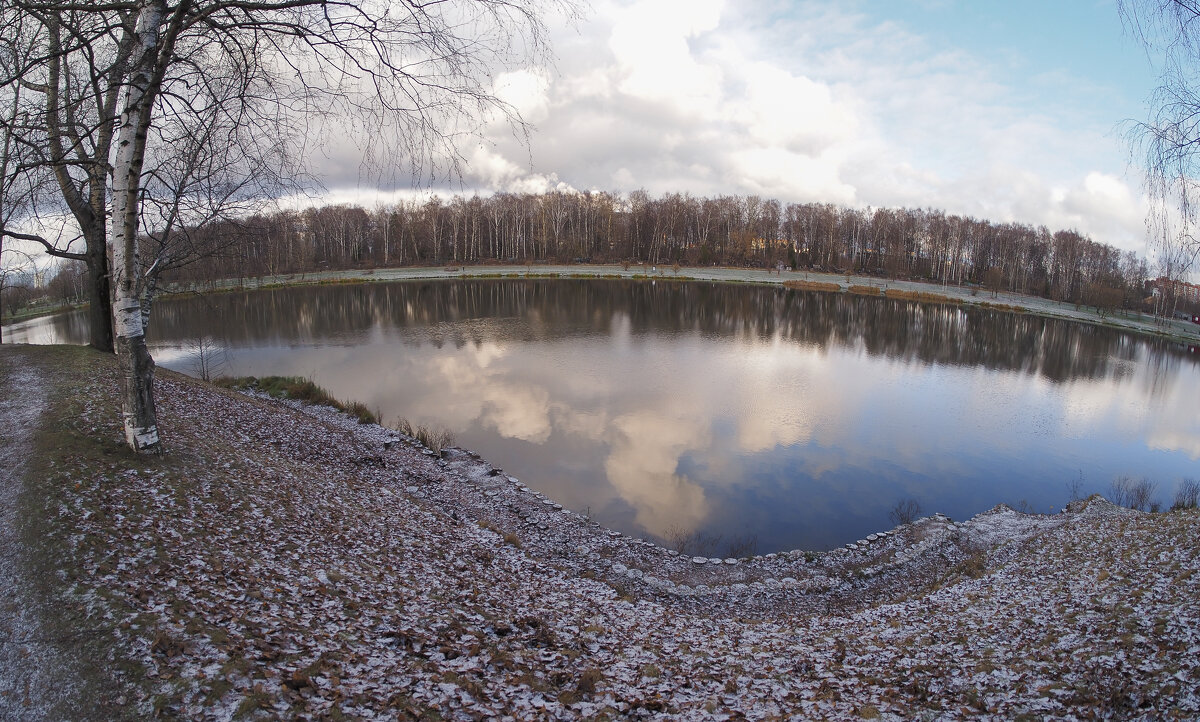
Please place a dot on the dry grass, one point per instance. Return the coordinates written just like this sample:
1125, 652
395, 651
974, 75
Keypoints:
300, 389
922, 296
813, 286
1002, 307
1134, 493
865, 290
434, 439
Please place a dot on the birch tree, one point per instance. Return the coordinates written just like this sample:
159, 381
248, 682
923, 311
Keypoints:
412, 80
1167, 143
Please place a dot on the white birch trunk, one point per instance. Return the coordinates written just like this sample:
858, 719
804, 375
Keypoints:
137, 368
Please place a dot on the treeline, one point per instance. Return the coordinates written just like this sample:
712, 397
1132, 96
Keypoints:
675, 229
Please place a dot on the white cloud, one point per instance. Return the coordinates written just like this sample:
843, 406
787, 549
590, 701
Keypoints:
808, 103
803, 102
654, 61
526, 91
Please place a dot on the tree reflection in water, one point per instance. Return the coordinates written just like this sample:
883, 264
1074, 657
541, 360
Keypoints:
673, 409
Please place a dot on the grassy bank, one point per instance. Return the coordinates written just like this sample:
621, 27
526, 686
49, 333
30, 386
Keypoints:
296, 388
299, 389
289, 563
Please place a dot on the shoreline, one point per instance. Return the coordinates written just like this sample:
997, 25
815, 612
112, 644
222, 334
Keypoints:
965, 296
1177, 331
796, 581
289, 562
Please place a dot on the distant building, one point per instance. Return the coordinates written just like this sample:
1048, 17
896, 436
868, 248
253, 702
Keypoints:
1184, 291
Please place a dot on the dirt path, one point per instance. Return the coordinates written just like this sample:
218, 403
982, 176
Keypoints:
29, 686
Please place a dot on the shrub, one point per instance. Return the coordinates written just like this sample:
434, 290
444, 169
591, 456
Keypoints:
905, 512
401, 425
864, 290
1187, 496
1134, 493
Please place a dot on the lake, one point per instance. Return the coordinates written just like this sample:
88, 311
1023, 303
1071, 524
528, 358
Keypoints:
737, 418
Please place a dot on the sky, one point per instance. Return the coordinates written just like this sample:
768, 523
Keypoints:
1008, 111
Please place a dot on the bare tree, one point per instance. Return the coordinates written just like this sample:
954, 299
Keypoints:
16, 189
117, 80
63, 78
18, 269
209, 357
1134, 493
1187, 496
1167, 143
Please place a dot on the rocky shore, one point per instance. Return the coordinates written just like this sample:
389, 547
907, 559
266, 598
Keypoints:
287, 562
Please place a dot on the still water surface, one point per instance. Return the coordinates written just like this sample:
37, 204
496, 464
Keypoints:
789, 419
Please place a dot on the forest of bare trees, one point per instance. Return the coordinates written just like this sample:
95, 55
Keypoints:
678, 229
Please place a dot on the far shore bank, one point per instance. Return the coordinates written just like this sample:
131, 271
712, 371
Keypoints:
966, 295
919, 291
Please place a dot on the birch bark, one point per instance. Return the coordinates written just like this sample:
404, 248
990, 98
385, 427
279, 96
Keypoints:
137, 367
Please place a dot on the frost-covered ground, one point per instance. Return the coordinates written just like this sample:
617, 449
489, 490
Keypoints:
29, 657
285, 562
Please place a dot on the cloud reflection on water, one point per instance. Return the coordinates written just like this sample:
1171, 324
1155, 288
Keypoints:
798, 418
